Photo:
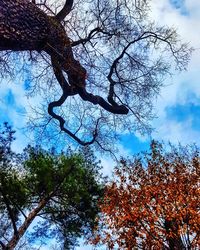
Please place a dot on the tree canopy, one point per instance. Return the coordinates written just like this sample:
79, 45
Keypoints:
95, 66
59, 191
154, 202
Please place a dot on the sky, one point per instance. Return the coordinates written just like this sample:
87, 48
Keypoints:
177, 107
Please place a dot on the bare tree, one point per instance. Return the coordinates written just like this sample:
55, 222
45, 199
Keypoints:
107, 56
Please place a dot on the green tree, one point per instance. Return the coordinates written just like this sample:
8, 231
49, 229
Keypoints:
98, 64
154, 202
61, 190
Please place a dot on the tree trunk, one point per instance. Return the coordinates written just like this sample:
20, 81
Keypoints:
15, 239
175, 241
23, 26
31, 216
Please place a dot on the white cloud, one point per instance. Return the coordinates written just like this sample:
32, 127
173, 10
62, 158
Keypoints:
178, 132
193, 7
180, 88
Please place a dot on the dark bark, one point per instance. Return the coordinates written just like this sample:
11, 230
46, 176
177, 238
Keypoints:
175, 242
23, 26
65, 10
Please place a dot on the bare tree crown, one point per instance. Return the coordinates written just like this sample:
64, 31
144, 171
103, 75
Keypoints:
114, 70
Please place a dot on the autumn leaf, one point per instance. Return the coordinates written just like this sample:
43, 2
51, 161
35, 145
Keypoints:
154, 202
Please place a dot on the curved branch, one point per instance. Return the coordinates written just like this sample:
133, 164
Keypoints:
76, 88
59, 103
65, 10
95, 99
91, 35
60, 78
67, 91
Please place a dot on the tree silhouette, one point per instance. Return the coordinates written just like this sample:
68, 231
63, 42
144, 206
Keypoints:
154, 202
106, 53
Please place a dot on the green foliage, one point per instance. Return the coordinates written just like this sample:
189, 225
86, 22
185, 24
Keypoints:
70, 183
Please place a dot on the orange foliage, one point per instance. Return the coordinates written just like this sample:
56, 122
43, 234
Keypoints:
154, 202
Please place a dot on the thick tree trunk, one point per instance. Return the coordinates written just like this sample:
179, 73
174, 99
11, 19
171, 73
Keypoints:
23, 26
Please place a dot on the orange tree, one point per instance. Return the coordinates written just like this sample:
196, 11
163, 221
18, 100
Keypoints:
154, 202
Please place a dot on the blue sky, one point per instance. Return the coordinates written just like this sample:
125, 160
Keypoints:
177, 107
180, 6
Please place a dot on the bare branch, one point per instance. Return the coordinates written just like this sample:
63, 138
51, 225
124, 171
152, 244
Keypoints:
65, 10
120, 53
92, 33
67, 91
95, 99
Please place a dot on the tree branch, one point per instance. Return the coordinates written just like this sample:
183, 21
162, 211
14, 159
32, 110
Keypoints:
65, 10
10, 212
67, 91
95, 99
41, 204
91, 35
2, 245
61, 120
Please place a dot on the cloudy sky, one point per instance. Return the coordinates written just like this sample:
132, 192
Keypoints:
178, 105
